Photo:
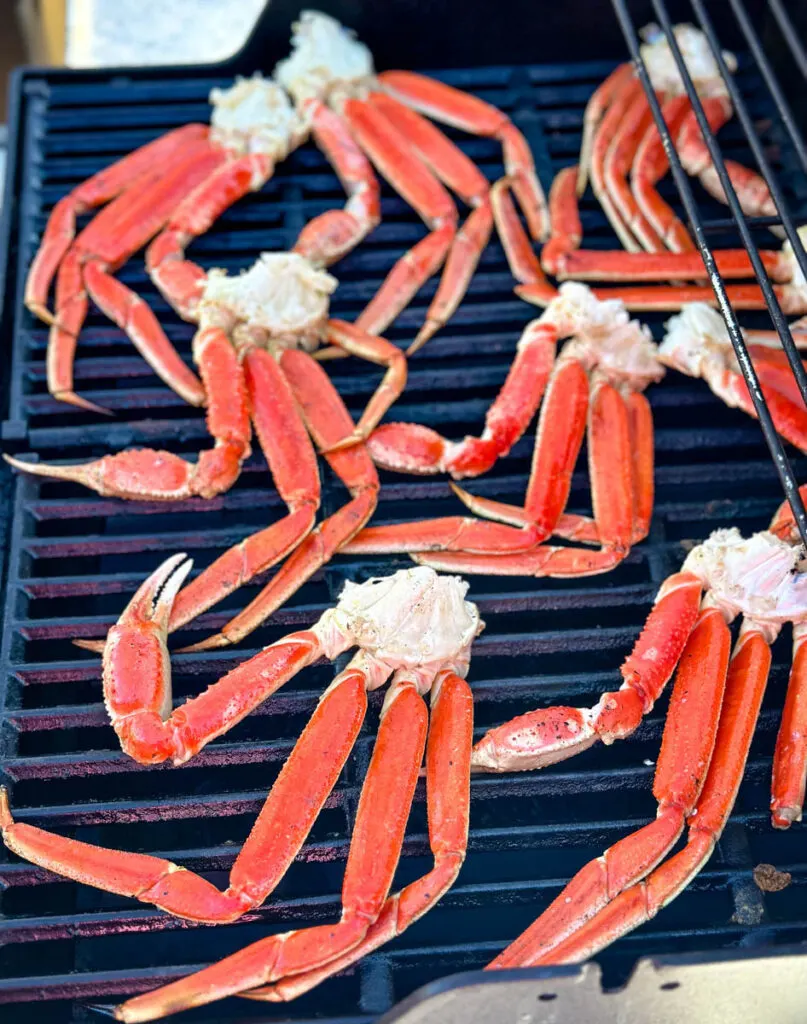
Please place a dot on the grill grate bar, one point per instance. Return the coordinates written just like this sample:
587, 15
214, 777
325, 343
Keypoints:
785, 113
772, 439
790, 34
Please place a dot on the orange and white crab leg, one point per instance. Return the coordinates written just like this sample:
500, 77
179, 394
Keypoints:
543, 737
356, 342
790, 756
617, 164
290, 810
329, 422
411, 448
561, 428
448, 754
146, 474
137, 677
532, 285
789, 416
689, 739
292, 462
607, 130
611, 474
649, 166
141, 166
614, 265
375, 849
333, 234
179, 280
464, 178
120, 229
470, 114
745, 687
398, 162
752, 190
596, 107
564, 215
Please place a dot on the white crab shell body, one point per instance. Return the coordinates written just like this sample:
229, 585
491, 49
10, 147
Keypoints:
757, 577
413, 619
255, 116
604, 338
698, 57
282, 300
327, 62
696, 337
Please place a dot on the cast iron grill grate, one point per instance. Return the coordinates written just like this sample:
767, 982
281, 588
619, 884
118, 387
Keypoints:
73, 558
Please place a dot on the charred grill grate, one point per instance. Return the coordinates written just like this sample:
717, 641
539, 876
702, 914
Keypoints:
73, 558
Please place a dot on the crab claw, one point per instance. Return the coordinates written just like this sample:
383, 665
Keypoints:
137, 667
96, 646
145, 474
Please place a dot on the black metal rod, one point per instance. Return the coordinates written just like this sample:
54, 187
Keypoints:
780, 459
790, 34
741, 110
785, 113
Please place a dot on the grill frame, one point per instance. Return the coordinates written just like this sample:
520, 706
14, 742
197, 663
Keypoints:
662, 551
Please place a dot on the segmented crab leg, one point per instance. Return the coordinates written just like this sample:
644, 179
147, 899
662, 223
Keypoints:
119, 230
626, 910
561, 427
161, 475
787, 410
290, 810
453, 107
375, 849
612, 490
328, 422
331, 235
564, 215
142, 165
180, 280
752, 190
596, 107
547, 735
790, 756
411, 448
649, 167
618, 160
293, 464
534, 287
137, 677
613, 265
615, 116
464, 178
686, 749
448, 753
354, 341
398, 162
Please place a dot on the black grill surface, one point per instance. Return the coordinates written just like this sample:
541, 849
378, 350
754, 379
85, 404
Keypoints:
74, 558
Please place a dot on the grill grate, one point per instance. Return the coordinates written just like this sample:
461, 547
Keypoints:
73, 558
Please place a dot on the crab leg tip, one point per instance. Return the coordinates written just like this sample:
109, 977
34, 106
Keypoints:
347, 442
426, 333
96, 646
75, 474
71, 398
210, 643
41, 312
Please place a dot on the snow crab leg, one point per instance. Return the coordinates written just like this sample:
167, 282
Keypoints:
387, 619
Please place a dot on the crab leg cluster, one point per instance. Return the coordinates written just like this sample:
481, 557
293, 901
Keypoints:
253, 126
620, 137
254, 375
594, 389
414, 629
713, 711
387, 115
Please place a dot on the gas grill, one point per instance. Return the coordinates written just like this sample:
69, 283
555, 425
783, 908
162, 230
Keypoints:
71, 559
